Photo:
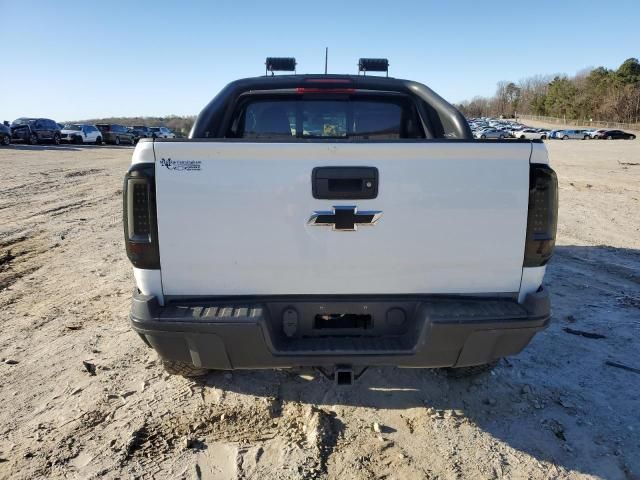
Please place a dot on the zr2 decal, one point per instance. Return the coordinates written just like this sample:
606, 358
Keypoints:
186, 165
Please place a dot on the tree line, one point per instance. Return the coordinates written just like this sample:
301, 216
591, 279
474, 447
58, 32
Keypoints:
598, 94
180, 125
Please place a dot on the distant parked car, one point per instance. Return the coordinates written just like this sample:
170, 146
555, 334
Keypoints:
594, 133
116, 134
616, 135
81, 133
5, 135
492, 133
553, 134
573, 134
135, 134
161, 132
531, 134
35, 130
142, 131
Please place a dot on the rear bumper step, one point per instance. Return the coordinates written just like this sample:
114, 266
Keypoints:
417, 331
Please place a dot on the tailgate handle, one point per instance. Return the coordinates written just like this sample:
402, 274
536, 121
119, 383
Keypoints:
342, 183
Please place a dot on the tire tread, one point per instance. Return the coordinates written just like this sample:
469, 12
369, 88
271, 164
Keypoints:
183, 369
465, 372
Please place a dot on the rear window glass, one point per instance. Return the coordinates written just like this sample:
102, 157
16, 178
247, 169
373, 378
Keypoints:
326, 119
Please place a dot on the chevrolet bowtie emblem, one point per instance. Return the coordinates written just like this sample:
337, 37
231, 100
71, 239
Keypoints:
345, 219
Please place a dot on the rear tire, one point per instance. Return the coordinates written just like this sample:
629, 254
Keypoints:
56, 139
6, 141
466, 372
183, 369
117, 141
609, 137
33, 139
543, 137
632, 137
566, 137
586, 137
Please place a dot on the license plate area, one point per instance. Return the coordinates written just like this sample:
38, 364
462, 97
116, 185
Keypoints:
340, 321
336, 318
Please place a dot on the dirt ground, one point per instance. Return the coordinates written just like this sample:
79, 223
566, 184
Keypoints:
557, 410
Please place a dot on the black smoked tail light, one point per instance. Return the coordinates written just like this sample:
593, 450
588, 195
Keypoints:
542, 219
139, 216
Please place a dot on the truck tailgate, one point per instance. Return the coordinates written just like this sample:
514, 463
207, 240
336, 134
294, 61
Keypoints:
233, 218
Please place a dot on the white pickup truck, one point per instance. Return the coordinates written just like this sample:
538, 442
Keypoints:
337, 221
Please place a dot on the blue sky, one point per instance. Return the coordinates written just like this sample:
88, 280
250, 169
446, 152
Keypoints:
72, 60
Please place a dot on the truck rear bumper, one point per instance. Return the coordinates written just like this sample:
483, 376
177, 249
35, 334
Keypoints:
408, 331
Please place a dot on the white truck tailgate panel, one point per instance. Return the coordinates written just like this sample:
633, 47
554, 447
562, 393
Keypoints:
453, 219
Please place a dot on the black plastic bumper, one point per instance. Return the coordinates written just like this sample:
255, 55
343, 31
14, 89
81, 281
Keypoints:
431, 331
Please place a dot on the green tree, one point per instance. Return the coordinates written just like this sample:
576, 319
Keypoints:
629, 71
538, 104
512, 95
560, 98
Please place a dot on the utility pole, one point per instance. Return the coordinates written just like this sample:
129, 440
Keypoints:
326, 58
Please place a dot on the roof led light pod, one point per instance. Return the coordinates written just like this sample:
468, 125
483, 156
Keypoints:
280, 64
373, 65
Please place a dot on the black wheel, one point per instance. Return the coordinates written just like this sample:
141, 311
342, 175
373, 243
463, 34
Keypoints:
117, 142
78, 140
609, 137
566, 137
6, 140
56, 139
521, 137
99, 141
586, 137
184, 369
33, 139
465, 372
543, 137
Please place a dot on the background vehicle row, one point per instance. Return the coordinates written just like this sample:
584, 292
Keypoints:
33, 131
484, 128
